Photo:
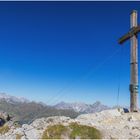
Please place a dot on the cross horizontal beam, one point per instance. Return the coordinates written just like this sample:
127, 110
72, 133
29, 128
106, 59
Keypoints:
133, 31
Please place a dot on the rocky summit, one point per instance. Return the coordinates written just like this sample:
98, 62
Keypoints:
112, 124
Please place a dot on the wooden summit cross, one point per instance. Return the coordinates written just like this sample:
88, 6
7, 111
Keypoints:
132, 35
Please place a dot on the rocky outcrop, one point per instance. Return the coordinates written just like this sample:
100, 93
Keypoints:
111, 123
35, 129
114, 123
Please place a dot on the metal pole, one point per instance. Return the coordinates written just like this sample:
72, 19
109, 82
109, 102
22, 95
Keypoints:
134, 66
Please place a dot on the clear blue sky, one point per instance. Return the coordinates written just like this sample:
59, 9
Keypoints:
65, 51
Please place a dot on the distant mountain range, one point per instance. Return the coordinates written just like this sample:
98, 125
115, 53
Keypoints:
13, 99
82, 107
26, 111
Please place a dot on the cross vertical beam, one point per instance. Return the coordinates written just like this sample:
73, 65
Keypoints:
133, 65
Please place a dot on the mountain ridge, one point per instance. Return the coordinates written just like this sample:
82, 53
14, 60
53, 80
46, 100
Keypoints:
26, 111
12, 99
82, 107
79, 107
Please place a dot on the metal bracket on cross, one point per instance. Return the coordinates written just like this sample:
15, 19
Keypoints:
133, 88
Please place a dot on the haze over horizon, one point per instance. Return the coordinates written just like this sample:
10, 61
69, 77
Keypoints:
65, 51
